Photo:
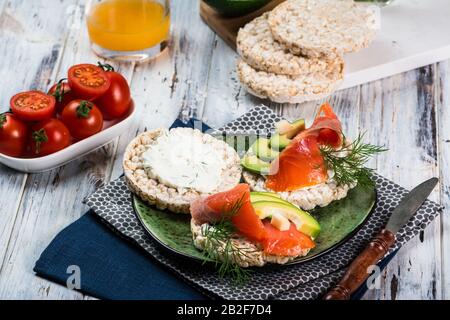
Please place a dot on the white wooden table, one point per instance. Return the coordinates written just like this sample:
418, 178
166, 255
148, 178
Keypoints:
40, 39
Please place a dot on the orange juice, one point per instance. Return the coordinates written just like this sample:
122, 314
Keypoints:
128, 25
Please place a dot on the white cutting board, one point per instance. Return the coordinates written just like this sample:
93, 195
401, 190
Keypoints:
413, 33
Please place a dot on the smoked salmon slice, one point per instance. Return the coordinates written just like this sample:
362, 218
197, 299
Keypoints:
222, 205
301, 164
233, 204
326, 127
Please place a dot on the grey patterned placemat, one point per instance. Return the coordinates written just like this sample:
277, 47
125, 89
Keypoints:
305, 281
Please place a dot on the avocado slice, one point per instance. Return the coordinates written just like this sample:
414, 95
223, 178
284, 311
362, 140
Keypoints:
263, 151
290, 130
304, 222
279, 142
265, 196
270, 197
253, 164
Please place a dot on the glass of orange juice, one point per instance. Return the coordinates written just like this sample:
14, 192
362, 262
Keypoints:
129, 30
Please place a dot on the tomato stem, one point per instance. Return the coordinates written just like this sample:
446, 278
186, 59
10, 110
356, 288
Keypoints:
105, 66
2, 120
59, 93
84, 109
39, 137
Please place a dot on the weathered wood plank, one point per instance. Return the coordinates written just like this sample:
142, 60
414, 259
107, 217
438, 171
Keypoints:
25, 29
95, 167
15, 21
11, 183
226, 100
53, 199
443, 113
399, 112
182, 83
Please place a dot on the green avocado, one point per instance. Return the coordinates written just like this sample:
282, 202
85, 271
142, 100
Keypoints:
290, 129
304, 222
268, 197
279, 142
235, 8
253, 164
263, 151
299, 125
265, 196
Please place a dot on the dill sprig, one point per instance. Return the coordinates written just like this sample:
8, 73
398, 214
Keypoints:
348, 163
220, 247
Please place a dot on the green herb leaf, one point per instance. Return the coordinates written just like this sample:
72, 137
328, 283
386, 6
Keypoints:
348, 163
221, 247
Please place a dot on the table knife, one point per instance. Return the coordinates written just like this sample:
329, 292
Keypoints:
357, 272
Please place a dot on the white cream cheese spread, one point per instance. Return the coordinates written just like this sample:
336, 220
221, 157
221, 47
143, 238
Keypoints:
181, 160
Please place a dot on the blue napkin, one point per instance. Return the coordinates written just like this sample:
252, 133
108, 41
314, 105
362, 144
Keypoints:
113, 268
110, 267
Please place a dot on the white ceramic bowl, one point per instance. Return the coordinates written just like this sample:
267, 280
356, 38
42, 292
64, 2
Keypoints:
111, 129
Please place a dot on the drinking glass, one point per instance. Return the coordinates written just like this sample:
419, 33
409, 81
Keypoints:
129, 30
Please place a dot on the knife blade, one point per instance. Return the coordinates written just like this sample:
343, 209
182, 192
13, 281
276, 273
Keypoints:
358, 271
410, 204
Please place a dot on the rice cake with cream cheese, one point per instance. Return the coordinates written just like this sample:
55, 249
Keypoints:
170, 168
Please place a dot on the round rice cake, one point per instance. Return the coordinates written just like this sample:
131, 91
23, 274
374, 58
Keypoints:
143, 182
289, 89
322, 27
252, 254
258, 48
306, 198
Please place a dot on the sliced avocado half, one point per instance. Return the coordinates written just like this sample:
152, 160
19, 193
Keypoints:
257, 197
265, 194
304, 222
270, 197
279, 142
262, 149
290, 129
253, 164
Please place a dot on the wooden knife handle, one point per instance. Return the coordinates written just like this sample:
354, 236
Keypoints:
356, 273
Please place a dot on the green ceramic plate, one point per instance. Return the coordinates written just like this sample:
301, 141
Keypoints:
339, 221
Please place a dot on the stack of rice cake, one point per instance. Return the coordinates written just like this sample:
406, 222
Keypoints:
295, 52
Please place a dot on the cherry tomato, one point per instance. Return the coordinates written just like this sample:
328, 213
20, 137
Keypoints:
82, 118
88, 81
33, 106
48, 137
13, 135
62, 93
116, 102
